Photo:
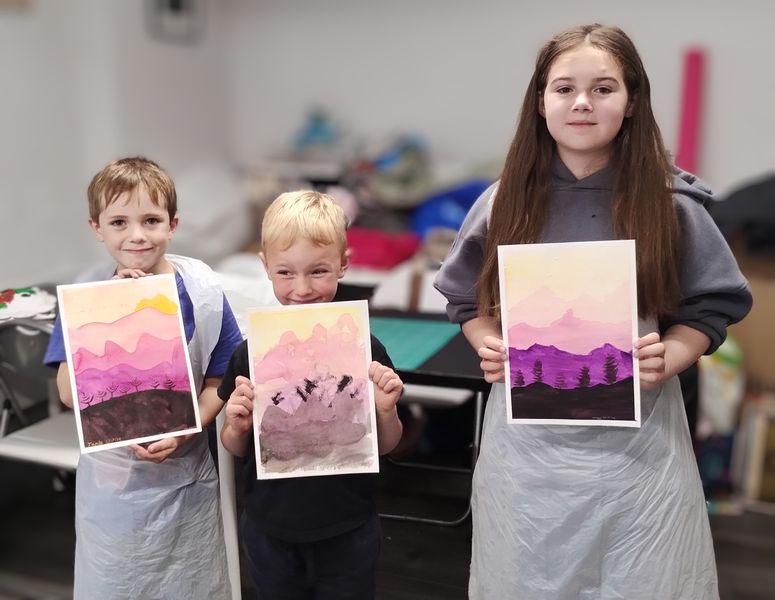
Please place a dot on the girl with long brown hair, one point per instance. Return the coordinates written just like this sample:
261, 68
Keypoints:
566, 512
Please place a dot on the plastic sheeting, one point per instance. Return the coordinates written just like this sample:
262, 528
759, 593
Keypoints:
582, 513
154, 531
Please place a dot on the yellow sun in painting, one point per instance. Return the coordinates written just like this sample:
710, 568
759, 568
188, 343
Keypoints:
160, 302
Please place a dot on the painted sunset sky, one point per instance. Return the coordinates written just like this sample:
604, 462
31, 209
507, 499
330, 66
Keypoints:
568, 305
125, 336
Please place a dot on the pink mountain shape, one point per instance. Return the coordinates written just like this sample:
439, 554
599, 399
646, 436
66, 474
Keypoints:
149, 352
337, 350
543, 307
614, 307
571, 334
126, 331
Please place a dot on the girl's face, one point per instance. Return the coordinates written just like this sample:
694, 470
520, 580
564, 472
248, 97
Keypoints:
584, 104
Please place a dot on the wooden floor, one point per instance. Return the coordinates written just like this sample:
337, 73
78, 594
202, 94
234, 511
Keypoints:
418, 561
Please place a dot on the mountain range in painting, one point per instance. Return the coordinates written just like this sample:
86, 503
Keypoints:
564, 370
111, 360
572, 333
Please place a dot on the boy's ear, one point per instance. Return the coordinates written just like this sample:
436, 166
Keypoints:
173, 224
95, 227
345, 262
262, 256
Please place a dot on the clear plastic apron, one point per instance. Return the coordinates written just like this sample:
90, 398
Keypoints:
582, 513
154, 531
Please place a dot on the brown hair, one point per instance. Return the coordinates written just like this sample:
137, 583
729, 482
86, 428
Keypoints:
126, 175
643, 206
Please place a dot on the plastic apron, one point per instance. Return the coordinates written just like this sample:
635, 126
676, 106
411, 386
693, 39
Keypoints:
582, 513
149, 531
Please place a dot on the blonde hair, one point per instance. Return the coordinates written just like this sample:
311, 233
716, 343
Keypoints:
303, 214
127, 175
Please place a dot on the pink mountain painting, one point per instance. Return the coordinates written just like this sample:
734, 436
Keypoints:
316, 410
131, 375
569, 343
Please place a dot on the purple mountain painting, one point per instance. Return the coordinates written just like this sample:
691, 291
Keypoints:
568, 314
128, 361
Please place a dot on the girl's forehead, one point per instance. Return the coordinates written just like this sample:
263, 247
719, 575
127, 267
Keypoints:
585, 60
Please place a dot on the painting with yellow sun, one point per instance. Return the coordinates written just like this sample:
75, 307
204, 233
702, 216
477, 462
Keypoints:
128, 361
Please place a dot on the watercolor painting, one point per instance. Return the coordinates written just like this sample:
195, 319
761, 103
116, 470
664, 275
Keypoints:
569, 317
128, 361
313, 412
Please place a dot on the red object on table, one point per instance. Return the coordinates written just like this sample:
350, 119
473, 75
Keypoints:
379, 249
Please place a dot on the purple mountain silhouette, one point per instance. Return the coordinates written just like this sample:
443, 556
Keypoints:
96, 385
562, 369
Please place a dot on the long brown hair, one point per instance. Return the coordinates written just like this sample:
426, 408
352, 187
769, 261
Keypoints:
642, 199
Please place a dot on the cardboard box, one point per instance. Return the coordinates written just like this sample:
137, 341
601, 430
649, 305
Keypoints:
756, 333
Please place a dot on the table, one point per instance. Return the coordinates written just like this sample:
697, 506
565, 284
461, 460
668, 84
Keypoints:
427, 350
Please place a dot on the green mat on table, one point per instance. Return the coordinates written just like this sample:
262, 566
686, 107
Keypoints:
410, 342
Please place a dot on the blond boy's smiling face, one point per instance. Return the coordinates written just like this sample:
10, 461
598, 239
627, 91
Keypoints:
305, 273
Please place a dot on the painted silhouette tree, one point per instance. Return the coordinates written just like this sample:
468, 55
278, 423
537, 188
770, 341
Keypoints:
538, 371
124, 388
559, 381
610, 369
135, 383
169, 384
86, 399
519, 379
155, 383
583, 378
112, 387
101, 395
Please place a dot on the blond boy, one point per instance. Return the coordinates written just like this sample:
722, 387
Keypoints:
308, 537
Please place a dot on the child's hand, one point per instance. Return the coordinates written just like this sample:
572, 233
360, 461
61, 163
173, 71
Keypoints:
157, 452
129, 273
493, 355
650, 351
387, 386
239, 408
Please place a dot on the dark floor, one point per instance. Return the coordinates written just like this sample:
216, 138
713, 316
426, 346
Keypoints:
419, 561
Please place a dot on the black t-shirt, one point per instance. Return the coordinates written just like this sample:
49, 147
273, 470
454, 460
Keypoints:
302, 509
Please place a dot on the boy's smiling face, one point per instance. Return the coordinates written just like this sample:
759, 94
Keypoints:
136, 232
305, 273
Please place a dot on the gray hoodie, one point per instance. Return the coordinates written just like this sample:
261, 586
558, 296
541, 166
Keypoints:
715, 293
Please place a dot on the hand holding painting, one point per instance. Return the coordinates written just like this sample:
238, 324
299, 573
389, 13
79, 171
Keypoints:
493, 355
387, 390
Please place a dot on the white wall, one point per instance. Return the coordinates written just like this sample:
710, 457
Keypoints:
456, 71
83, 82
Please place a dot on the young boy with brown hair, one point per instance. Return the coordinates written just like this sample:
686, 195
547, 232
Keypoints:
308, 537
148, 522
